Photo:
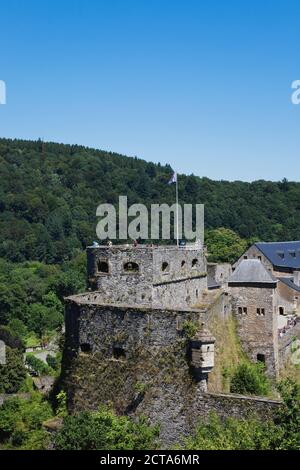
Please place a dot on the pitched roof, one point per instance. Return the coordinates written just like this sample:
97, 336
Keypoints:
251, 271
289, 281
282, 254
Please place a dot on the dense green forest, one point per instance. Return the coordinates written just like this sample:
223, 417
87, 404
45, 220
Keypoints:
49, 193
31, 296
48, 198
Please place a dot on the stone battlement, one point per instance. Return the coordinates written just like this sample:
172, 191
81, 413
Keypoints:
166, 276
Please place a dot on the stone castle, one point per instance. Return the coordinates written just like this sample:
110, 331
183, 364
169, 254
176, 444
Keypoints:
139, 341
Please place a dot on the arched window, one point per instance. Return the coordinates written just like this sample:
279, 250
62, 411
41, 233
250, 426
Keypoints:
195, 263
165, 267
103, 267
131, 267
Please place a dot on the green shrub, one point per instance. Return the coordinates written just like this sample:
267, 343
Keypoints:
288, 416
250, 378
233, 434
104, 430
52, 362
190, 329
37, 365
21, 422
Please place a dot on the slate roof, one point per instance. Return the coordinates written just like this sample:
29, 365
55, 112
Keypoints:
282, 254
251, 271
211, 282
289, 281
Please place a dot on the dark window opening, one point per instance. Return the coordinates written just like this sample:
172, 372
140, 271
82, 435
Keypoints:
86, 347
194, 263
259, 257
281, 310
165, 267
119, 353
102, 267
245, 257
244, 310
131, 267
261, 358
240, 310
260, 312
182, 263
197, 293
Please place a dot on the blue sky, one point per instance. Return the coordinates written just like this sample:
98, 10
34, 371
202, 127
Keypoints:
202, 85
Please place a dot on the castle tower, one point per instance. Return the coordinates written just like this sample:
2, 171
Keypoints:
159, 276
202, 347
253, 292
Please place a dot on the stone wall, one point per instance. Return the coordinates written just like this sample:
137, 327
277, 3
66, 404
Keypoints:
289, 346
112, 351
166, 276
137, 360
235, 406
179, 294
287, 298
119, 285
254, 253
183, 263
258, 332
220, 272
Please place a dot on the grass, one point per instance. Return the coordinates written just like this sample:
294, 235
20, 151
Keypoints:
228, 354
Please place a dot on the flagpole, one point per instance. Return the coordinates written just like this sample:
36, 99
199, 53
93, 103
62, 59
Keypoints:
177, 233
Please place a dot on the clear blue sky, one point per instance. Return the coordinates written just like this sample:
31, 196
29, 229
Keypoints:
202, 85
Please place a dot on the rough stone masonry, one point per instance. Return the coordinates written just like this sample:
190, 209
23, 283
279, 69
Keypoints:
131, 338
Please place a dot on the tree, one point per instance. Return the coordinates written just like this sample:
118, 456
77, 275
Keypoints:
13, 373
224, 245
233, 434
104, 430
288, 416
21, 423
54, 225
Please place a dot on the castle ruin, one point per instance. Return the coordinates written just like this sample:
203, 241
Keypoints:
138, 339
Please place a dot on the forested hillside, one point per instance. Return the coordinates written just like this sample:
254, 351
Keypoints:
49, 193
48, 199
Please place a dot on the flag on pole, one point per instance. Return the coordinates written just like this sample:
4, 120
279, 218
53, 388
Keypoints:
174, 178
